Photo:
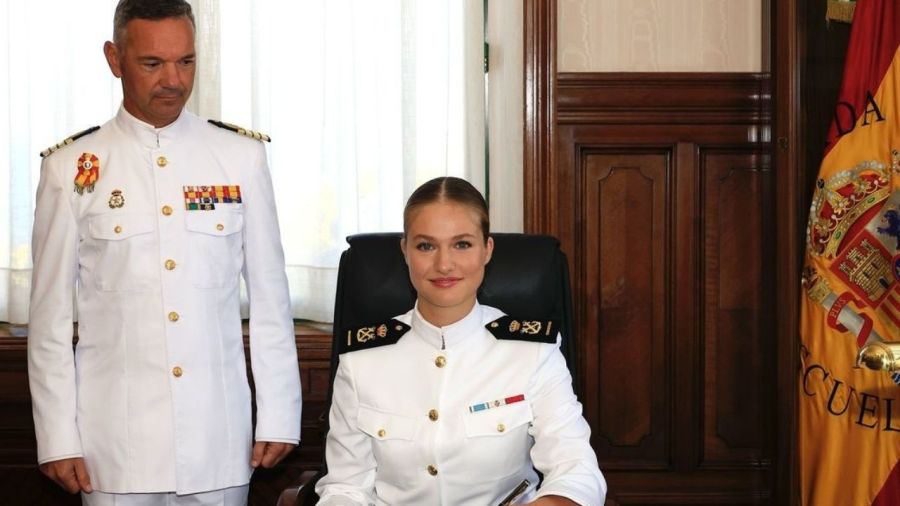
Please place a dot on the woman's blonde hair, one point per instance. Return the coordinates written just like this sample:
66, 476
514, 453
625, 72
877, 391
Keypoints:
448, 189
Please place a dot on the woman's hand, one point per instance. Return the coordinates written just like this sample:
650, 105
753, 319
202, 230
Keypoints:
552, 500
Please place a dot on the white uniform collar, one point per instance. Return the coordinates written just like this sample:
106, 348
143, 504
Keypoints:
148, 135
451, 335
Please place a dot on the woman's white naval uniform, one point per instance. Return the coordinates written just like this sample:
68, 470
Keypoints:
406, 427
156, 397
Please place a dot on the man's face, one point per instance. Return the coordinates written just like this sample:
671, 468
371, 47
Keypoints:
156, 62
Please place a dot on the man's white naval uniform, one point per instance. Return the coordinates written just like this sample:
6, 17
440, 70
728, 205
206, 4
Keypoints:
155, 397
455, 415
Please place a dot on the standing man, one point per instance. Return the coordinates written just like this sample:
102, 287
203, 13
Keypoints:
154, 216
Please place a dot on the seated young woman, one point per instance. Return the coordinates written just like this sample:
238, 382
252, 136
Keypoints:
449, 405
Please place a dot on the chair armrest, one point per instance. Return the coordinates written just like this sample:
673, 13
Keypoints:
302, 491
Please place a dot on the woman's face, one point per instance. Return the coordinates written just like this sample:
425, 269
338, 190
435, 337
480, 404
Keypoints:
446, 254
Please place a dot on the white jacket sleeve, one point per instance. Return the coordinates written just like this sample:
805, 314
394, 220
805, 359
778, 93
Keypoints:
348, 450
51, 360
273, 351
562, 451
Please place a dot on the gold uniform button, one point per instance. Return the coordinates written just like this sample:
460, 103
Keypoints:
432, 470
501, 427
118, 229
166, 210
173, 316
170, 264
433, 415
220, 227
161, 161
381, 433
440, 361
177, 372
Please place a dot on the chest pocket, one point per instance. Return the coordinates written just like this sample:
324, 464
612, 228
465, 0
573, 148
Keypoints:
499, 421
499, 441
215, 246
126, 251
393, 443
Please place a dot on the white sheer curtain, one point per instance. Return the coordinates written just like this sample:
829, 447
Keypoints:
53, 82
364, 100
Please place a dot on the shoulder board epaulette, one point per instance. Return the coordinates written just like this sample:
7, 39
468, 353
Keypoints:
372, 336
243, 131
70, 140
517, 329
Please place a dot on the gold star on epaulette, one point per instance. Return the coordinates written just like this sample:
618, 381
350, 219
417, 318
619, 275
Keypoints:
372, 336
242, 131
52, 149
519, 329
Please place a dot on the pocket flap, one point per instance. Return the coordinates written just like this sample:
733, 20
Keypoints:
118, 226
221, 223
498, 421
385, 426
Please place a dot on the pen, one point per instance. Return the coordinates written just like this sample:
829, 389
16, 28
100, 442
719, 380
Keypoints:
515, 494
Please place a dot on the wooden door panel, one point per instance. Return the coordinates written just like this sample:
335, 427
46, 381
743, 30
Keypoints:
624, 230
737, 316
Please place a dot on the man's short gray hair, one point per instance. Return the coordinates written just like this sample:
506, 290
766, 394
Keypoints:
148, 9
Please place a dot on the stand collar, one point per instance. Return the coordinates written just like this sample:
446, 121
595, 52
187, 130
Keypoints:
451, 335
148, 135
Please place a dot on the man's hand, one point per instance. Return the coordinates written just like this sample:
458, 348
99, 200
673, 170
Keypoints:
70, 474
267, 453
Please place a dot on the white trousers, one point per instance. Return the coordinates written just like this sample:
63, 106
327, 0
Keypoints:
232, 496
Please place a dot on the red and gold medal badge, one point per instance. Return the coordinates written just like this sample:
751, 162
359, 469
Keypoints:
88, 173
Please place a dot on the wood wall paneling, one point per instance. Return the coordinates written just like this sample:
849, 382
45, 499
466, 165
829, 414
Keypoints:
788, 48
624, 233
663, 198
737, 317
540, 114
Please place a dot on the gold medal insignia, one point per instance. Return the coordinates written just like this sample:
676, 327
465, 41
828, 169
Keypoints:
365, 334
531, 327
116, 200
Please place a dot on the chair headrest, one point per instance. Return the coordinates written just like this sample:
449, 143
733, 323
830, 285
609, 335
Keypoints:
523, 278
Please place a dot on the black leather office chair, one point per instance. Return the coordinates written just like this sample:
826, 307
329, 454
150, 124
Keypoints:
527, 277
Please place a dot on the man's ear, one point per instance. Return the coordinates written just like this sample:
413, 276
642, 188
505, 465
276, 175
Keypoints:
111, 51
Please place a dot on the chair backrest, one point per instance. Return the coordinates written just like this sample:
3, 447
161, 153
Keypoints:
527, 277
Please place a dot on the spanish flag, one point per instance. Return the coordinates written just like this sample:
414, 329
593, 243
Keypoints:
849, 430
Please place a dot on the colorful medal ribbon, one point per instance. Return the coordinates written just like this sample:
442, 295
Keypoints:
88, 173
496, 404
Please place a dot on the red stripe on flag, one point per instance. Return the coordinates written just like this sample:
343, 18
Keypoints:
893, 300
874, 38
890, 314
889, 495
